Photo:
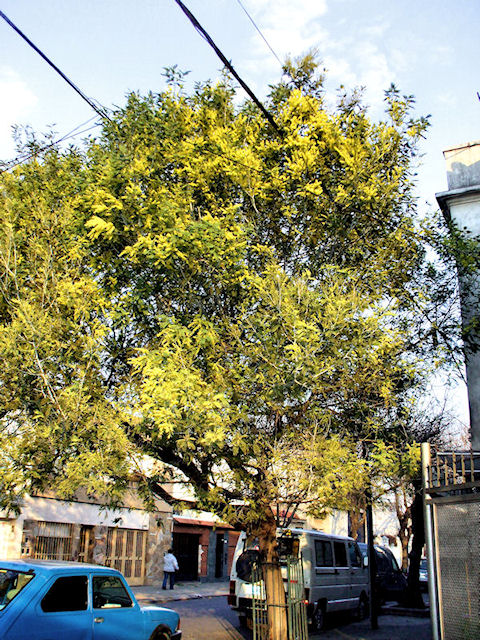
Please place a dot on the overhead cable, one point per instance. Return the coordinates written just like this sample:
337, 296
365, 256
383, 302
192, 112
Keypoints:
227, 63
10, 164
101, 112
261, 34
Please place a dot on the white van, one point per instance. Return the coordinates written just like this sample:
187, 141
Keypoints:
336, 575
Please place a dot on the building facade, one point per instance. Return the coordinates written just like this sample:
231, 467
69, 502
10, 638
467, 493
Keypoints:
204, 547
129, 538
461, 208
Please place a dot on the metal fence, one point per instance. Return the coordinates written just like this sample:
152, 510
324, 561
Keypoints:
53, 541
452, 503
292, 600
125, 549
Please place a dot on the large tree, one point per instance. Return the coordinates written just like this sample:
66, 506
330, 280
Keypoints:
219, 293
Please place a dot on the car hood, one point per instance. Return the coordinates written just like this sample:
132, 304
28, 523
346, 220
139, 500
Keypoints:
161, 614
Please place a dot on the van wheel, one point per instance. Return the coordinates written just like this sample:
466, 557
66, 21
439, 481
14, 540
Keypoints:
318, 618
362, 609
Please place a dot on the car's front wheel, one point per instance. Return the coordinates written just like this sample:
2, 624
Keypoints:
161, 634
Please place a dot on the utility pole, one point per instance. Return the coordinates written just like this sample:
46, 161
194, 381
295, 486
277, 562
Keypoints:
372, 565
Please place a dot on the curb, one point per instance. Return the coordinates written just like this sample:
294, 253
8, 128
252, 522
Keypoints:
192, 596
404, 611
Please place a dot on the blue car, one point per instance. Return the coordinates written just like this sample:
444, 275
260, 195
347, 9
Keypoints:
47, 600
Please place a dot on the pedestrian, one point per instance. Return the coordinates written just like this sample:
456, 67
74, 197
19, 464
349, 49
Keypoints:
170, 565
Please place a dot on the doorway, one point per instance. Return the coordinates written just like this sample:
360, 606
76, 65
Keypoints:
185, 549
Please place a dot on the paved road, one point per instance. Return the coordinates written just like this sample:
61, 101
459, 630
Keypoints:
390, 628
208, 619
212, 619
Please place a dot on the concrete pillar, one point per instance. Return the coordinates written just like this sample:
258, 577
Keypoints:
75, 541
212, 550
159, 539
461, 205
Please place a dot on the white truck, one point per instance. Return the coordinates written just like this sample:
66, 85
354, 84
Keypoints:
335, 573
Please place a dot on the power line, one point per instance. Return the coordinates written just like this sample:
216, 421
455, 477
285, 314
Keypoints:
71, 134
227, 63
261, 34
101, 112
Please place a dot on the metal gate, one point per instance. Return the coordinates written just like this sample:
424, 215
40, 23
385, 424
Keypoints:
126, 549
52, 541
295, 604
452, 501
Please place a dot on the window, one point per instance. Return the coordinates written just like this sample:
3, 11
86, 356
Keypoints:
109, 593
323, 553
52, 541
355, 555
394, 563
11, 583
340, 554
67, 594
383, 564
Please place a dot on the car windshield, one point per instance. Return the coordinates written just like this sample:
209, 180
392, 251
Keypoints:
11, 583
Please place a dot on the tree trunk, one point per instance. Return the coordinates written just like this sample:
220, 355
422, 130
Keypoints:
357, 522
273, 580
405, 530
404, 540
414, 595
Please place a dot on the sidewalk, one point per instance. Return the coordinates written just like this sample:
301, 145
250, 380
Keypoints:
183, 591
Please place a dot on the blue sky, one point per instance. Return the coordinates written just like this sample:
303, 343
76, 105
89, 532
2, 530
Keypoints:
108, 47
429, 48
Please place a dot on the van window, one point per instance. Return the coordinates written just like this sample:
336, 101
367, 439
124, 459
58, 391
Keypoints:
340, 554
394, 562
323, 553
383, 565
355, 555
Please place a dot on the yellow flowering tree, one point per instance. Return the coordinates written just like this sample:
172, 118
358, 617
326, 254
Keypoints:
222, 293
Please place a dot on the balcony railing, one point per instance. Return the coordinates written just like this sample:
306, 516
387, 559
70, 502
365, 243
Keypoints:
453, 469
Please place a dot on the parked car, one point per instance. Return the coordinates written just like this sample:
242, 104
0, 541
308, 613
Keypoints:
423, 574
335, 576
391, 583
48, 600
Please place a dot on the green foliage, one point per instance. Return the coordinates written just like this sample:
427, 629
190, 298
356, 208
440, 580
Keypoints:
56, 425
211, 294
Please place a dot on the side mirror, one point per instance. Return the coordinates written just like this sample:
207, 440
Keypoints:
365, 561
